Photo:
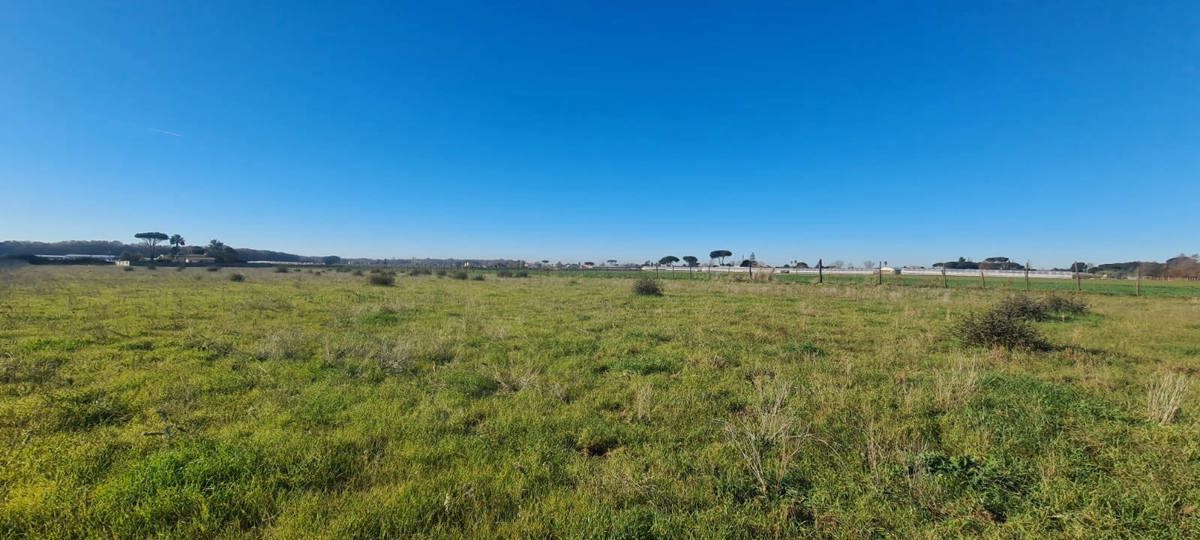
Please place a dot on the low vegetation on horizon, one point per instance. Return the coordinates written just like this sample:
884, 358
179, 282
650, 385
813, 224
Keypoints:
352, 404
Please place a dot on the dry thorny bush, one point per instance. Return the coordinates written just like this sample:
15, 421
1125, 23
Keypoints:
768, 436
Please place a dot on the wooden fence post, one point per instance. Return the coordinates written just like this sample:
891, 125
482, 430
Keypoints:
1078, 280
1139, 280
880, 280
982, 278
1026, 276
820, 271
945, 280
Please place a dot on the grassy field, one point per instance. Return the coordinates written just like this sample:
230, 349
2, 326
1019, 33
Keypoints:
1125, 287
181, 404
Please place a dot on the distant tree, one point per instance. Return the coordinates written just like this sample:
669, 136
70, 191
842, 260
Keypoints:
611, 262
151, 239
868, 264
222, 253
837, 264
691, 260
800, 264
331, 260
720, 254
177, 243
1079, 266
668, 260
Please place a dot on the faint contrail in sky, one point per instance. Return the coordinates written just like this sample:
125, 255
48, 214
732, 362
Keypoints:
165, 132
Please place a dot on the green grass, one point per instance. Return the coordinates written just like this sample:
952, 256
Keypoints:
297, 405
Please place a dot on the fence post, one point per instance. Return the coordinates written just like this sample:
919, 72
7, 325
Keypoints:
945, 280
1139, 280
1078, 280
1026, 276
880, 280
820, 271
982, 278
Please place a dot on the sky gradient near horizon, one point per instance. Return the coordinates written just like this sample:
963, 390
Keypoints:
911, 132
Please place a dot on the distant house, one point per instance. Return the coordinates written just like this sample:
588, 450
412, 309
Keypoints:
123, 263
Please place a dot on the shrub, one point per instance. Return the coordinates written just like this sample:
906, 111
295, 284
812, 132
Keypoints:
180, 268
419, 272
521, 273
127, 268
459, 275
504, 273
383, 280
1029, 309
1021, 307
213, 269
151, 267
358, 272
441, 273
1064, 305
995, 328
647, 287
237, 277
281, 270
477, 277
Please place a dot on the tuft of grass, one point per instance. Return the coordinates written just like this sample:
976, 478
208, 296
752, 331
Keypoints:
460, 275
647, 287
477, 277
1165, 396
768, 437
281, 270
212, 269
236, 277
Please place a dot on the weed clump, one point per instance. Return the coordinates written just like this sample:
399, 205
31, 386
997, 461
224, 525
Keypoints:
504, 273
477, 277
237, 278
213, 269
996, 328
459, 275
127, 268
1031, 309
382, 279
1064, 305
647, 287
1165, 396
281, 270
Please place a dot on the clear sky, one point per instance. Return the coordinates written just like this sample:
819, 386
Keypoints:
910, 131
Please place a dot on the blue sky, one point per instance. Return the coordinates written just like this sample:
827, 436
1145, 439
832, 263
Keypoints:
909, 132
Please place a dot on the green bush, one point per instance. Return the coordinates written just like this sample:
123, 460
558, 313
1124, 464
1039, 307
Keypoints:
281, 270
996, 328
213, 269
459, 275
647, 287
504, 273
1064, 305
477, 277
383, 280
237, 277
127, 268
